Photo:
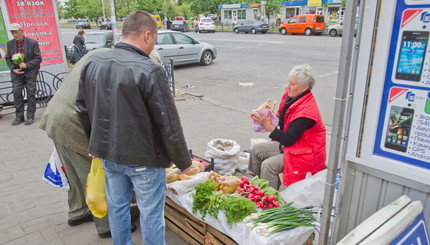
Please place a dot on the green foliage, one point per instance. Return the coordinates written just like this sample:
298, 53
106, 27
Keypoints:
83, 9
124, 7
206, 201
169, 8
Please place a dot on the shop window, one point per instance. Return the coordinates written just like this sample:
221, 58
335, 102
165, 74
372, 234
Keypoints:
241, 14
227, 14
290, 13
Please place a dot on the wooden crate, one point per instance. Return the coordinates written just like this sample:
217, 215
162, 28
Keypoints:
195, 231
191, 229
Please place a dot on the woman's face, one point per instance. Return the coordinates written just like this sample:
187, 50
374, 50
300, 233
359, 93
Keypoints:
294, 88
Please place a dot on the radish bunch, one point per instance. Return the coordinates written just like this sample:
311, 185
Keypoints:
253, 192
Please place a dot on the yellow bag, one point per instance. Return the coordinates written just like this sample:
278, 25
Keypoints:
96, 194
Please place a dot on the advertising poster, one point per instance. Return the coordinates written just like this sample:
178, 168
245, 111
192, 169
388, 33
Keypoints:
404, 121
3, 42
37, 18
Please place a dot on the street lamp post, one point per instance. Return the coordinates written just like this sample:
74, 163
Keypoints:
263, 10
103, 8
113, 21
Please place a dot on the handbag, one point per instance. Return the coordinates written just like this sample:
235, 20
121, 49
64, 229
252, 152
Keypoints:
95, 190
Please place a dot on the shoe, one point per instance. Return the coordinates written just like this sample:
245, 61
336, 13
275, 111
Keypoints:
29, 121
80, 221
17, 121
108, 234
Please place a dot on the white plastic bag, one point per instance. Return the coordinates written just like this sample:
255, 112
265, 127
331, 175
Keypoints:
55, 174
255, 141
225, 155
307, 192
243, 161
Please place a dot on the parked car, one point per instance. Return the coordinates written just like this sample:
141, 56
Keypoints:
307, 24
83, 24
212, 16
95, 40
179, 25
252, 26
183, 49
337, 29
107, 25
206, 24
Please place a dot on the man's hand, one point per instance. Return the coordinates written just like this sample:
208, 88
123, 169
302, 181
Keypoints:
185, 171
18, 71
23, 66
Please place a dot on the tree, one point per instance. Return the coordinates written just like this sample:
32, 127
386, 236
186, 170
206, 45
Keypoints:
204, 6
71, 9
124, 7
151, 6
184, 10
60, 10
272, 7
169, 9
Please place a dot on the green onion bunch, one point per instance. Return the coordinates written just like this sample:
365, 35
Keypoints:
282, 218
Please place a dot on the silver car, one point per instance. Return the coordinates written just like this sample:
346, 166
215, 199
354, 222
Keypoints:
252, 26
183, 49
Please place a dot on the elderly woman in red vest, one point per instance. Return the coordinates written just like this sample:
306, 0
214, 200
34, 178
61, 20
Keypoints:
298, 144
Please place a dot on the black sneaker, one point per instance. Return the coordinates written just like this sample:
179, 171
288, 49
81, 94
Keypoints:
29, 121
108, 234
17, 121
80, 221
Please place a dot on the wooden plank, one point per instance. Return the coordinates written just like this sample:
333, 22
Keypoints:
179, 220
221, 236
181, 233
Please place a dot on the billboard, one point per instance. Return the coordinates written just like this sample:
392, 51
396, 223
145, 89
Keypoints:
37, 18
404, 122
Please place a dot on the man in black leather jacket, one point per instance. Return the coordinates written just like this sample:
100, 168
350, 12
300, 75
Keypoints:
127, 110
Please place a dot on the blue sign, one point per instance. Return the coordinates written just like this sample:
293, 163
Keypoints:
415, 234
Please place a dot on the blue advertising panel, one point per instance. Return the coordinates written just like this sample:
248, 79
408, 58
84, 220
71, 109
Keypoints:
404, 121
416, 233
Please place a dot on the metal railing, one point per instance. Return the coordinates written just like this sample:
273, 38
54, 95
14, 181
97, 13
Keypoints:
46, 85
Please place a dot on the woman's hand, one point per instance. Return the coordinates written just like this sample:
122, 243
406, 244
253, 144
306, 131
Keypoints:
266, 122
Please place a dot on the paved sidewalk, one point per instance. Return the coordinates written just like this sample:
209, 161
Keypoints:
33, 212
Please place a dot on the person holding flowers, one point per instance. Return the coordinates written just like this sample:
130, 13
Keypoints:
23, 59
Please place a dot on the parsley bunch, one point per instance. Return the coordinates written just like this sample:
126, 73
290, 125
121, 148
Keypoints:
207, 201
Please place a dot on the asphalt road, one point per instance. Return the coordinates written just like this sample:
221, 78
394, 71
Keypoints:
262, 60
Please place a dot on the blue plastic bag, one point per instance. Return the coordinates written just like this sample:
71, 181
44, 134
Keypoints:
55, 173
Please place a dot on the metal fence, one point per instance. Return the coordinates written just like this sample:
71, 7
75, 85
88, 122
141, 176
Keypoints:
47, 83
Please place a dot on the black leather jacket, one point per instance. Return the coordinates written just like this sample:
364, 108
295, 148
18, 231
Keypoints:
127, 110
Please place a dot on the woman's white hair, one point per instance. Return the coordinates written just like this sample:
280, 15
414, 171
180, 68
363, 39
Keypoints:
304, 75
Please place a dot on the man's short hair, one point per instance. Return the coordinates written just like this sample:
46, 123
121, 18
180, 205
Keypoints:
138, 22
81, 32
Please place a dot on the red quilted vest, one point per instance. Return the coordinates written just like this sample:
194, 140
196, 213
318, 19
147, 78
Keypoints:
308, 154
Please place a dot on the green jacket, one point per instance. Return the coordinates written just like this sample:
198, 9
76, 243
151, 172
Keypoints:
60, 120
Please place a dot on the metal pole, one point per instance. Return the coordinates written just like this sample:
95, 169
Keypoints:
104, 11
113, 21
338, 118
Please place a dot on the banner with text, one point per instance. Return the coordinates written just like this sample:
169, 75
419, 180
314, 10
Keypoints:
37, 18
3, 42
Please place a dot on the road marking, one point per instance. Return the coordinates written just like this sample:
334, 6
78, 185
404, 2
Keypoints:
328, 74
232, 40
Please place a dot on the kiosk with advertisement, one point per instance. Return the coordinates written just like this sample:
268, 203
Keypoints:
386, 134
